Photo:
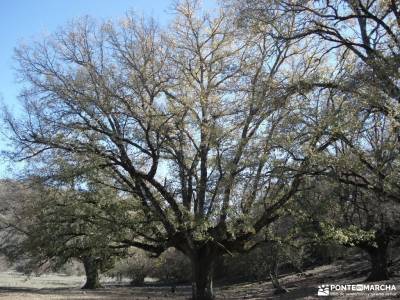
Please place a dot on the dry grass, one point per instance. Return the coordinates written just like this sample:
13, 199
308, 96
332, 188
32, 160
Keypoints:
15, 286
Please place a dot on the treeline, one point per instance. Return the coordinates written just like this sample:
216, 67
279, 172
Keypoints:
259, 122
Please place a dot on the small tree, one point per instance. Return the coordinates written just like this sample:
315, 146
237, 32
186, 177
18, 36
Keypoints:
61, 224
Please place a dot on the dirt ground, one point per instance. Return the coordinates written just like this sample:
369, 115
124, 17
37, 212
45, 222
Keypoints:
299, 286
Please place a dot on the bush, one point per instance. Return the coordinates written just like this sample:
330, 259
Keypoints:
172, 267
135, 267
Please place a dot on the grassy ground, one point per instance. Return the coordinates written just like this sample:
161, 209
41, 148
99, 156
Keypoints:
299, 286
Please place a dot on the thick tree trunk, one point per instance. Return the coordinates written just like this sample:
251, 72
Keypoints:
379, 270
92, 273
202, 278
379, 257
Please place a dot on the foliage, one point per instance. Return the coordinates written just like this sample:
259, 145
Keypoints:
225, 125
136, 267
65, 223
172, 267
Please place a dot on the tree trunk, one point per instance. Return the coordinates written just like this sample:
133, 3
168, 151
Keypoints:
379, 257
379, 270
273, 273
92, 273
202, 278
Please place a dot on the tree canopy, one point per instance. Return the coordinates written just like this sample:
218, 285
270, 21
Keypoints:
213, 124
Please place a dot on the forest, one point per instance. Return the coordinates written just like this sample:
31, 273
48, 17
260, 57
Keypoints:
236, 144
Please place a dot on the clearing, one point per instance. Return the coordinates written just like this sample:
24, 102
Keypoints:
299, 286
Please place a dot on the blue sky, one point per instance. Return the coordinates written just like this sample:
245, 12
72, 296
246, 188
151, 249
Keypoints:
24, 20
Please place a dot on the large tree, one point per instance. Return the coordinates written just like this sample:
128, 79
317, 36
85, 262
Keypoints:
361, 46
330, 211
203, 123
364, 163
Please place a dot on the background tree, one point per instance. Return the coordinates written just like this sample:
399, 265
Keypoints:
346, 215
16, 200
67, 223
364, 163
171, 267
360, 42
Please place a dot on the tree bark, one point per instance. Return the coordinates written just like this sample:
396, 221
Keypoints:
379, 257
273, 273
379, 270
92, 273
202, 278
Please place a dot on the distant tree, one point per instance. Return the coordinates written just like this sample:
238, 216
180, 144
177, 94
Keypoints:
136, 266
370, 224
16, 200
172, 267
352, 217
365, 164
57, 225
